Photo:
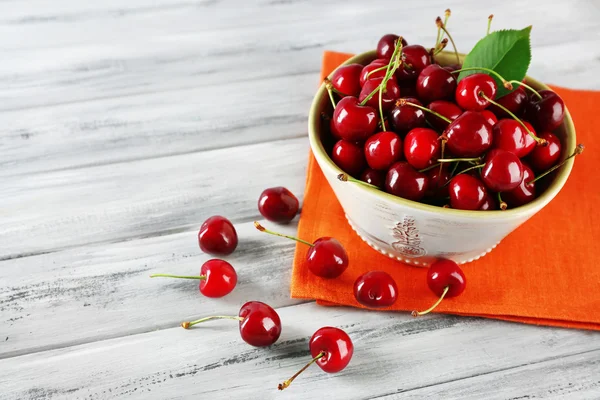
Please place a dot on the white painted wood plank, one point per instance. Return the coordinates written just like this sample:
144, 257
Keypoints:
393, 353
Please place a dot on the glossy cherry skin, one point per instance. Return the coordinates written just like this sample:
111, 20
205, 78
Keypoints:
435, 83
261, 325
382, 150
278, 204
510, 135
336, 345
444, 108
490, 117
404, 181
489, 203
220, 278
469, 135
346, 79
530, 142
349, 156
466, 192
352, 121
414, 59
514, 101
375, 178
375, 289
503, 171
544, 157
404, 118
366, 74
437, 187
546, 114
388, 98
387, 45
217, 236
421, 147
523, 193
467, 91
444, 274
327, 258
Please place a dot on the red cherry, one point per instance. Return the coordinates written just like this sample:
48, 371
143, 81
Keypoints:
437, 187
489, 203
414, 59
490, 117
217, 236
373, 177
346, 79
510, 135
260, 325
366, 74
349, 156
503, 171
421, 147
333, 130
466, 192
530, 142
387, 45
445, 279
404, 181
388, 98
435, 83
468, 89
544, 157
405, 117
278, 204
375, 289
382, 150
352, 121
546, 114
469, 135
522, 194
444, 108
514, 102
217, 278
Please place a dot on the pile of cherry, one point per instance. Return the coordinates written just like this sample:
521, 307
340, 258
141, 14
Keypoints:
404, 124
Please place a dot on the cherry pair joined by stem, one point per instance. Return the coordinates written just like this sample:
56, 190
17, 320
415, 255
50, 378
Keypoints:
278, 204
375, 289
445, 279
217, 236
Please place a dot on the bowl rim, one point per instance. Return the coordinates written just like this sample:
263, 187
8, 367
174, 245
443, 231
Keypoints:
323, 159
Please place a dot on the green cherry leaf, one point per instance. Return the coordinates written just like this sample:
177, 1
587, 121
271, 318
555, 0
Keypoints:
507, 52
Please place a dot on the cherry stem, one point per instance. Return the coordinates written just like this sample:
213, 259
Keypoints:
454, 169
539, 141
447, 14
430, 309
441, 47
188, 324
471, 168
287, 383
201, 277
489, 24
395, 59
329, 87
578, 150
430, 167
404, 102
501, 203
265, 230
441, 25
442, 160
532, 90
381, 108
377, 70
505, 83
348, 178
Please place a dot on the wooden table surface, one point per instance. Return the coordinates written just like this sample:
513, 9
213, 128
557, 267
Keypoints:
125, 124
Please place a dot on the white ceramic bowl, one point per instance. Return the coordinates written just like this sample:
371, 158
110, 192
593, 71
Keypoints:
417, 233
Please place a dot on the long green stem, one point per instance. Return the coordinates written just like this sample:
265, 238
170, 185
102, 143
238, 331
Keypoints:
188, 324
381, 108
430, 309
505, 83
288, 382
403, 102
348, 178
489, 24
377, 70
442, 27
532, 90
395, 59
442, 160
201, 277
471, 168
265, 230
329, 87
430, 167
578, 150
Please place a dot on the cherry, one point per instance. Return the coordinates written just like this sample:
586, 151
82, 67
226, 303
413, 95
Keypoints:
503, 171
388, 98
522, 194
405, 117
331, 349
354, 122
260, 325
404, 181
469, 135
489, 203
346, 79
466, 192
349, 156
421, 147
373, 177
278, 204
514, 101
510, 135
408, 88
547, 113
375, 289
468, 91
386, 46
444, 108
382, 150
437, 186
530, 142
217, 278
544, 157
414, 59
435, 83
326, 257
217, 236
445, 279
366, 74
490, 117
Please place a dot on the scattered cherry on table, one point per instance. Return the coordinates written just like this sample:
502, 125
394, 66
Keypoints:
278, 204
375, 289
445, 279
217, 236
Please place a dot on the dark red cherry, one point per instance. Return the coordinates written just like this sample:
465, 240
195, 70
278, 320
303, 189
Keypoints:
522, 194
444, 274
544, 157
414, 59
469, 135
387, 45
349, 156
514, 102
366, 74
403, 118
421, 147
468, 89
388, 99
490, 117
503, 171
346, 79
489, 204
435, 83
466, 192
546, 114
444, 108
278, 204
354, 122
382, 150
375, 178
437, 187
510, 135
404, 181
217, 236
375, 289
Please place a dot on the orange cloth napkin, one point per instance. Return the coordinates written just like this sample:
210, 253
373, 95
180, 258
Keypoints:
547, 272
